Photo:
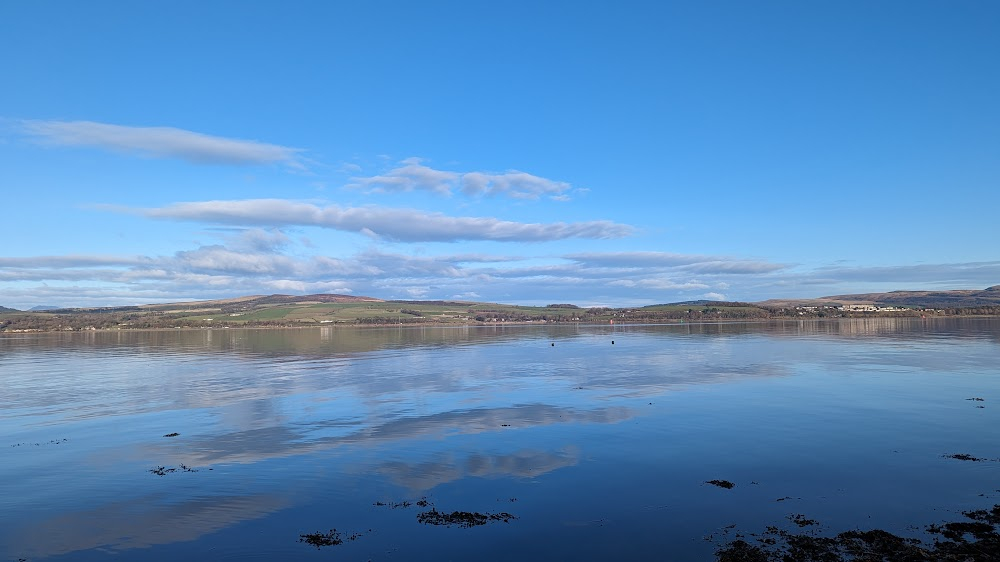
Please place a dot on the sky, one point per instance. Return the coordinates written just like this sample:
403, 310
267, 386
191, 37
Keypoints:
593, 153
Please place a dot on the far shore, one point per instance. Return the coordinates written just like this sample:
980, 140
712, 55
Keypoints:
438, 324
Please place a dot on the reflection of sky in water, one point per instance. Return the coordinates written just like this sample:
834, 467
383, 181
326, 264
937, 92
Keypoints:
603, 445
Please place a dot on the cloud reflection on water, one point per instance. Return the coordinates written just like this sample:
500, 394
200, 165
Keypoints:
255, 445
140, 523
425, 475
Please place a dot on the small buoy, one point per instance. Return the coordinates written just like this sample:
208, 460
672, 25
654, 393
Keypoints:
553, 344
612, 342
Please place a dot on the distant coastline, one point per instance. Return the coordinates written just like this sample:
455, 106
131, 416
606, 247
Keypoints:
288, 311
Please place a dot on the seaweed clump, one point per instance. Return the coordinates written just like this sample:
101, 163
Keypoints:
329, 538
963, 457
465, 519
974, 540
721, 483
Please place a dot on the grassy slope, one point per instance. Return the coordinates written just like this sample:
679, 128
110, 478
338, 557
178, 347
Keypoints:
352, 312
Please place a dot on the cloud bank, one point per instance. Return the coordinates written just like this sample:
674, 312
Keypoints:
263, 262
403, 225
258, 261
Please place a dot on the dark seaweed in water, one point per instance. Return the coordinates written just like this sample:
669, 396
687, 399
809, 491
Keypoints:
330, 538
163, 470
963, 457
52, 442
422, 502
393, 505
802, 521
721, 483
975, 540
462, 518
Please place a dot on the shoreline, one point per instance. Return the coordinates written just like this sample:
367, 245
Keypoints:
664, 322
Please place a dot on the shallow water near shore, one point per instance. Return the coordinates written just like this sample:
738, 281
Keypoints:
597, 441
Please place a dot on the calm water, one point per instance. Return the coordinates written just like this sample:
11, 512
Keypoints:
601, 450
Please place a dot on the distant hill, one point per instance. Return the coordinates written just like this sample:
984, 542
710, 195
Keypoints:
918, 299
257, 301
263, 311
5, 309
42, 308
301, 299
688, 303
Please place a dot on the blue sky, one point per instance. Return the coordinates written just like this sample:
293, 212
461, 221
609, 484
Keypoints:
619, 153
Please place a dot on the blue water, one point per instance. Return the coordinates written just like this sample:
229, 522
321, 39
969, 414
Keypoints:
600, 450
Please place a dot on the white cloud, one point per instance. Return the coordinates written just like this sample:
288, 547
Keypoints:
660, 284
404, 225
715, 296
470, 295
691, 263
162, 142
412, 175
717, 266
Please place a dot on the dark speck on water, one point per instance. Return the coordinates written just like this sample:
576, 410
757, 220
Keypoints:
801, 520
963, 457
172, 434
165, 470
52, 442
721, 483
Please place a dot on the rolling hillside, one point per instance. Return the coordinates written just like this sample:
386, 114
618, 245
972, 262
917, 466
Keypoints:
331, 309
913, 299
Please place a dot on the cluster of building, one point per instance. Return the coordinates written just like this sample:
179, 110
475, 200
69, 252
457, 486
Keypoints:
856, 308
870, 308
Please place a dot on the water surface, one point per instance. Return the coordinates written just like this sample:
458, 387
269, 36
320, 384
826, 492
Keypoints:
598, 439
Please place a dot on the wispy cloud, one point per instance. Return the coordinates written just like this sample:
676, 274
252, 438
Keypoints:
691, 263
404, 225
71, 261
985, 273
413, 175
162, 142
